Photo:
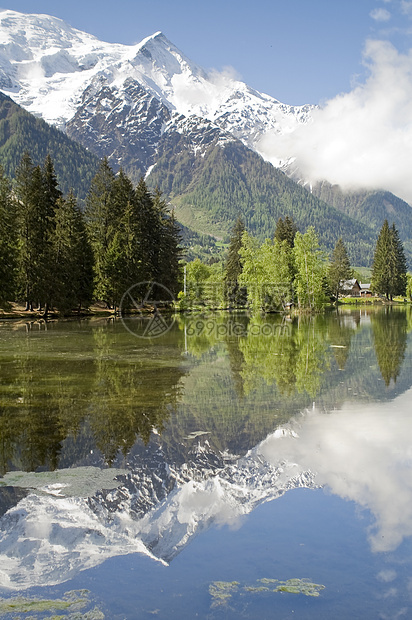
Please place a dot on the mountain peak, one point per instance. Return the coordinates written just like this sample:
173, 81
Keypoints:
47, 66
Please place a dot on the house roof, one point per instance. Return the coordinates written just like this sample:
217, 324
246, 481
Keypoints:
347, 285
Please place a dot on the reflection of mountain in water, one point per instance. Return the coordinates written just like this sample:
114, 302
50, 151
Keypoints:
361, 453
156, 510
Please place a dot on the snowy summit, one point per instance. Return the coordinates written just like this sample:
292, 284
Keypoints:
46, 66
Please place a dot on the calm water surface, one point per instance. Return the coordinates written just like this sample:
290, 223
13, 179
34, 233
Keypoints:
231, 468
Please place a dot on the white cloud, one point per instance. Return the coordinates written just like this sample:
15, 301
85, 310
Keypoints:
360, 139
361, 453
200, 96
406, 7
380, 15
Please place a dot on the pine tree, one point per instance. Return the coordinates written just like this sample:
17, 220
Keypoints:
8, 243
401, 264
235, 295
389, 263
73, 259
339, 268
169, 251
286, 230
149, 232
102, 224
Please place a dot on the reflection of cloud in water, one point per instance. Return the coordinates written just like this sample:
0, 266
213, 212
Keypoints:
362, 453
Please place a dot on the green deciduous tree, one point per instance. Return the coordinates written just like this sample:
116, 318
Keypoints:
267, 273
311, 268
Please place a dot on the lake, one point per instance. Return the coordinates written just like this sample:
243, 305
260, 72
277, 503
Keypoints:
232, 467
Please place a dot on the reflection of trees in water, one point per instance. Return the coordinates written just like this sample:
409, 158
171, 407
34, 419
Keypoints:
129, 399
390, 332
340, 336
53, 394
77, 387
294, 359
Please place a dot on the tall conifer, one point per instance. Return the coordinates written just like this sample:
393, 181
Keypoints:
389, 263
286, 230
102, 224
235, 294
339, 268
8, 243
73, 259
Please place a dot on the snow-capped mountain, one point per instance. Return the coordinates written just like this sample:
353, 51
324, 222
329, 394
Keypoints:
107, 95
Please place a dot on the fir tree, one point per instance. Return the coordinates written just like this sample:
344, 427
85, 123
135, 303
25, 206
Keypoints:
339, 268
8, 243
389, 263
235, 295
401, 264
123, 256
73, 258
102, 224
51, 189
35, 191
28, 194
286, 230
149, 232
169, 251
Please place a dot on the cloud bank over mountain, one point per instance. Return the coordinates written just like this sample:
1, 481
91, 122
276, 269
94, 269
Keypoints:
360, 139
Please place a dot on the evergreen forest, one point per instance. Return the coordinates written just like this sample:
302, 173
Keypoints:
53, 255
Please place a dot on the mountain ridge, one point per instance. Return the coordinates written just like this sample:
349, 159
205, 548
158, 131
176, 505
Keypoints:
135, 103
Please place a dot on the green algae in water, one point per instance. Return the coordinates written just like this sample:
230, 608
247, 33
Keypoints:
300, 586
222, 591
295, 586
73, 602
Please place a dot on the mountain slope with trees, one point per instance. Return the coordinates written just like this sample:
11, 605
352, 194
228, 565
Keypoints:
22, 132
371, 208
211, 190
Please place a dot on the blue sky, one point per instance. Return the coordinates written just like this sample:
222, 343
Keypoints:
299, 51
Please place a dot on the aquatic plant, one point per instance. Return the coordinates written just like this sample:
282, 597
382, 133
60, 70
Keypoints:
222, 591
73, 602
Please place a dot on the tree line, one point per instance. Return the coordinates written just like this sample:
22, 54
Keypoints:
55, 255
293, 269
